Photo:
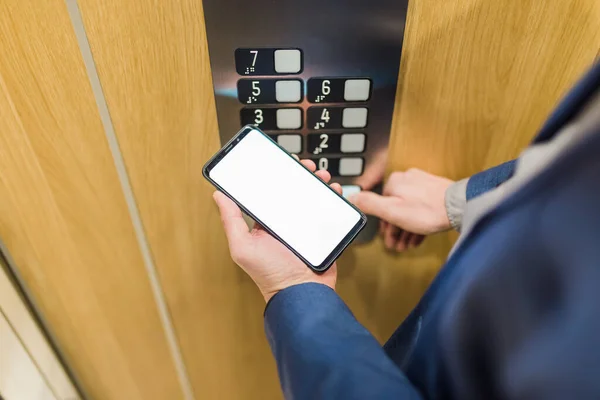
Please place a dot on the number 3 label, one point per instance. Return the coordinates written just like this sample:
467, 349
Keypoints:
258, 117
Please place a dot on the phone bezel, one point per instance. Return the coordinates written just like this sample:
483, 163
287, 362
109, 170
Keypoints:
337, 251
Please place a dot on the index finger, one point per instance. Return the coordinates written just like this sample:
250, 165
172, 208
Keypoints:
383, 207
310, 164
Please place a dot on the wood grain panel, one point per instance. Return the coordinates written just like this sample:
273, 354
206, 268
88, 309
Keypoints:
477, 80
153, 63
461, 69
63, 216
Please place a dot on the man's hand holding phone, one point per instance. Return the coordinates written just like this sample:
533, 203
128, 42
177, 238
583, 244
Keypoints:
270, 264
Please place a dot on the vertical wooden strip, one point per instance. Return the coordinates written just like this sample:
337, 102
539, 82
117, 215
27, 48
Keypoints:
63, 216
153, 64
138, 228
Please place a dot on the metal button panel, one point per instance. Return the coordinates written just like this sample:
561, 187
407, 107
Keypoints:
320, 119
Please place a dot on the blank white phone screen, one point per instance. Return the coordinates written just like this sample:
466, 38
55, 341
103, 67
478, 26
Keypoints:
285, 197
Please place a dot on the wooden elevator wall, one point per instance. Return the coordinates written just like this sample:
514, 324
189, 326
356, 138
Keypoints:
477, 80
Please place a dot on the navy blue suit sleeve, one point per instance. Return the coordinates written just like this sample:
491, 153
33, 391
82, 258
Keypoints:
528, 324
489, 179
322, 352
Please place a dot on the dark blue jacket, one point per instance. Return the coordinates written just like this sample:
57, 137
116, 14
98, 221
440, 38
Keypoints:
514, 313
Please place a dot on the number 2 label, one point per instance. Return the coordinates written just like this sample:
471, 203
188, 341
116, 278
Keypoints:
324, 138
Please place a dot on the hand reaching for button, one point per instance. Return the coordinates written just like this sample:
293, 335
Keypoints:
412, 206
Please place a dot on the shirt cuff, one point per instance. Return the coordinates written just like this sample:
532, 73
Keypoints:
456, 203
294, 292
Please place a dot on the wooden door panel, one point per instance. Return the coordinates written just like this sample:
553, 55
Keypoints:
63, 216
477, 80
153, 63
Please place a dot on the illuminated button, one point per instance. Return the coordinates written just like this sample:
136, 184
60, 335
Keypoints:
349, 190
292, 143
353, 143
357, 90
289, 118
351, 166
288, 61
288, 91
355, 117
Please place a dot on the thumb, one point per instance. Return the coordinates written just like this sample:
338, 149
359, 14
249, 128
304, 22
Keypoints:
231, 216
383, 207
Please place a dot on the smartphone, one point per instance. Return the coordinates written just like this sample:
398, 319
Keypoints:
282, 195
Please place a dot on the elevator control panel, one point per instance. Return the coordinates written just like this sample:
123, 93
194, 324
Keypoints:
319, 77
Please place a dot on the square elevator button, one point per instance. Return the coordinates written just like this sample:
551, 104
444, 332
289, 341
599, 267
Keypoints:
288, 91
349, 190
353, 143
292, 143
355, 117
357, 90
289, 118
288, 61
351, 166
